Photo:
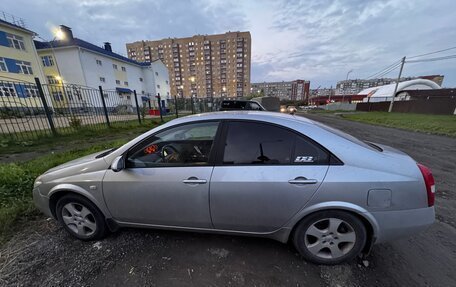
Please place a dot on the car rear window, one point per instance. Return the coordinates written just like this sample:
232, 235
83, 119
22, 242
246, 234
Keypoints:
234, 105
348, 137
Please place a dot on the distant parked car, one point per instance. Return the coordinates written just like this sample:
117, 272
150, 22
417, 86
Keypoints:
288, 109
251, 173
291, 109
231, 105
271, 104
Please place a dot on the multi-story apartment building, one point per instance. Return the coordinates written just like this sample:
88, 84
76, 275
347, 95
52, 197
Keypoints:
75, 61
19, 61
202, 65
280, 90
300, 90
351, 87
294, 90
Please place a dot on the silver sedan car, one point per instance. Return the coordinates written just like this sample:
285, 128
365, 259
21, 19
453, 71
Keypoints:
246, 173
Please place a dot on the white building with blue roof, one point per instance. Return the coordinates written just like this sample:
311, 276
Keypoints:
75, 61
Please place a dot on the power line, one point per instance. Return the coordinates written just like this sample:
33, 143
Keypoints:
394, 65
388, 71
435, 52
433, 59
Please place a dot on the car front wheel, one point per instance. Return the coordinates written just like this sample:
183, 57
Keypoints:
330, 237
80, 217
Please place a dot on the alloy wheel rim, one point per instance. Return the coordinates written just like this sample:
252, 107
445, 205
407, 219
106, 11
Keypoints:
79, 219
330, 238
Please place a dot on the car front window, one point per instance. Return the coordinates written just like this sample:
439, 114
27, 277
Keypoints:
189, 144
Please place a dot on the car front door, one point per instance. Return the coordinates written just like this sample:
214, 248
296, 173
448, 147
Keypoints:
266, 174
166, 179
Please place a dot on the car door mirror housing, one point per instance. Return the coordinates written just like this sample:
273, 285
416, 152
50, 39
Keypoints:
118, 164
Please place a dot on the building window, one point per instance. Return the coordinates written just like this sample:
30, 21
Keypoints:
140, 79
102, 79
15, 41
52, 80
58, 96
31, 91
156, 73
158, 86
117, 82
167, 82
99, 63
126, 83
114, 66
105, 95
48, 61
124, 69
3, 67
7, 90
25, 67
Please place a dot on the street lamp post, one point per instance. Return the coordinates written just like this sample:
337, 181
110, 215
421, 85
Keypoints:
192, 80
346, 79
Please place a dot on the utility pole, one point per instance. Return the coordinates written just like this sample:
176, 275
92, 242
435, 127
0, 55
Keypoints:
397, 84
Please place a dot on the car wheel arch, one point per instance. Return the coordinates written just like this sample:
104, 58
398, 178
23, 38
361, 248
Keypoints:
366, 218
61, 190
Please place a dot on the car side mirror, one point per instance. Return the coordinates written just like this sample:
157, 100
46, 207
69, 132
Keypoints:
118, 164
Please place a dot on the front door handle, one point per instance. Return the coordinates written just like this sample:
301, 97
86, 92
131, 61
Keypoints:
302, 180
194, 180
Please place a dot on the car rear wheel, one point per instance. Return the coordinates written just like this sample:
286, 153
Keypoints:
330, 237
80, 217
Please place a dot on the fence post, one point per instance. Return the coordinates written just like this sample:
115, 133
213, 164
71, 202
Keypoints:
175, 105
104, 106
159, 107
137, 106
191, 103
45, 106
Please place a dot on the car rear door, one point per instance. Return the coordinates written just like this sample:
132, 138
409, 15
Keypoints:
265, 174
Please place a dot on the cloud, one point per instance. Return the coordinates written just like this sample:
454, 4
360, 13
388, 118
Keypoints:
317, 40
323, 40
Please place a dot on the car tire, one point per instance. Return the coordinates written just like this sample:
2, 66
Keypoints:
330, 237
81, 218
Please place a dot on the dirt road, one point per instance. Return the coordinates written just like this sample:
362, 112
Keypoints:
42, 254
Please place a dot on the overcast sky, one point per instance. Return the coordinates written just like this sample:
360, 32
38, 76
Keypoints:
316, 40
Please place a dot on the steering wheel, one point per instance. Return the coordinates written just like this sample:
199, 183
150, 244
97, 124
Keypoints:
169, 153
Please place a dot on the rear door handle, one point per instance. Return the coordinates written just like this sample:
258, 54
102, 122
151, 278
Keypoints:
302, 180
194, 180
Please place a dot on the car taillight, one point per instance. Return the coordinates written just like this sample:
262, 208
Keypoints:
430, 183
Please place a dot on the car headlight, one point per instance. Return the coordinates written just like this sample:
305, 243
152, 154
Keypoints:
37, 182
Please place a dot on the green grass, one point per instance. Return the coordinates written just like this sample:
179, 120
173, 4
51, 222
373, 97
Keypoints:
16, 183
16, 179
28, 142
433, 124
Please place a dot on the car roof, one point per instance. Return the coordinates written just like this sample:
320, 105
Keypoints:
246, 115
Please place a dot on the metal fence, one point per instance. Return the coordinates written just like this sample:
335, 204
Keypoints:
33, 110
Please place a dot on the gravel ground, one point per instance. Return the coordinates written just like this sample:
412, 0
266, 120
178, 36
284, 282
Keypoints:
42, 254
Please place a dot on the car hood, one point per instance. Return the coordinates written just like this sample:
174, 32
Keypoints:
76, 162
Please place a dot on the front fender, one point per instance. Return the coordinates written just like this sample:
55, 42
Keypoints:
67, 187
